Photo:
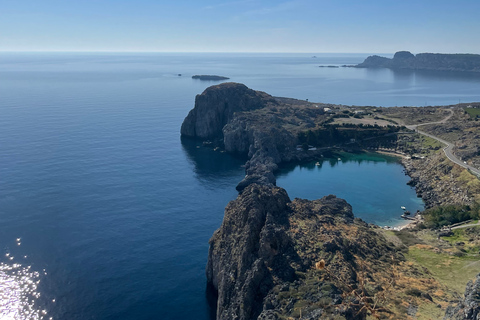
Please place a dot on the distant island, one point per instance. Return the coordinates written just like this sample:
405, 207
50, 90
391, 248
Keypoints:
425, 61
209, 77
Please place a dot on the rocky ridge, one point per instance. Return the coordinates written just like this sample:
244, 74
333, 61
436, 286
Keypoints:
469, 307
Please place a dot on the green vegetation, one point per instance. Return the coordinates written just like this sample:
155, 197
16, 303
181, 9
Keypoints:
331, 134
450, 270
464, 238
473, 112
450, 214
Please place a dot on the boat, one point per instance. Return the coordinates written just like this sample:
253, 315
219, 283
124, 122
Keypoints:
317, 163
339, 159
403, 208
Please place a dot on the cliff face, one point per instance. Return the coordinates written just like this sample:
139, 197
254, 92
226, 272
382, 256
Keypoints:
217, 105
263, 261
222, 113
469, 307
250, 252
425, 61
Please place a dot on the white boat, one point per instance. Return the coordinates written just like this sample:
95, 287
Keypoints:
317, 164
403, 208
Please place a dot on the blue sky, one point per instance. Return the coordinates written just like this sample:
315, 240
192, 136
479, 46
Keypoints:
240, 25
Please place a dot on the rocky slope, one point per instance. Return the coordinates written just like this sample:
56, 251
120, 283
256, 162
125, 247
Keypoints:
251, 123
437, 180
273, 258
469, 307
425, 61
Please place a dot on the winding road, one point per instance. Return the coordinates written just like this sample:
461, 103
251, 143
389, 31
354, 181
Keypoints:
449, 146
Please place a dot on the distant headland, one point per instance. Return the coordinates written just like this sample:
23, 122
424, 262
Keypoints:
209, 77
425, 61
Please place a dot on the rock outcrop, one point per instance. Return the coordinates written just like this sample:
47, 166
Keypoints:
263, 261
425, 61
435, 179
251, 252
469, 308
217, 105
219, 114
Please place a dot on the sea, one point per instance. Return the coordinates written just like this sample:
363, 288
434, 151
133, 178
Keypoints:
106, 213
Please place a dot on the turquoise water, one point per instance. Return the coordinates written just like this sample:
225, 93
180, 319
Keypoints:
374, 185
112, 211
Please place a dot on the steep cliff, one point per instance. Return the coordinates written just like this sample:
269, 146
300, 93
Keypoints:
251, 252
273, 258
245, 122
217, 105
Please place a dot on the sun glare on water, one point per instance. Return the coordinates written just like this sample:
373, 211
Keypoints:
18, 293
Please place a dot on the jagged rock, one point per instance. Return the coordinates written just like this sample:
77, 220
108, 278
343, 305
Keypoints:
217, 115
469, 307
217, 105
250, 252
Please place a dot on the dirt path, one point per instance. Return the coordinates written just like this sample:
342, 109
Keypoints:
449, 146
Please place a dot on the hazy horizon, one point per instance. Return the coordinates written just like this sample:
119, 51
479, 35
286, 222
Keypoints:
238, 26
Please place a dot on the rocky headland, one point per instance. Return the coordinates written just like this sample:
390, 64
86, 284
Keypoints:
425, 61
274, 258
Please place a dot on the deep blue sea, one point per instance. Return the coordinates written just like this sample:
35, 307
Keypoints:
106, 214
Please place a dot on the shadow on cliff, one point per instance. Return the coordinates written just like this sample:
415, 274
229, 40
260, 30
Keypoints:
334, 159
210, 165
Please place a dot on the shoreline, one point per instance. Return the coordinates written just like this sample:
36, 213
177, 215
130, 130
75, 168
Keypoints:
392, 153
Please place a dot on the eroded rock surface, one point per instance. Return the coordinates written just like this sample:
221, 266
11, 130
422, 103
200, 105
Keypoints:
251, 252
263, 260
217, 105
469, 308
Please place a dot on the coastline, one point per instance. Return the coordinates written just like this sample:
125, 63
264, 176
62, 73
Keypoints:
268, 247
392, 154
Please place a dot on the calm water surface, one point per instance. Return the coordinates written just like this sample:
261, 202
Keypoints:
106, 214
374, 185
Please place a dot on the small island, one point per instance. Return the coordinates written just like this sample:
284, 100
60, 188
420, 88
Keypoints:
209, 77
329, 66
425, 61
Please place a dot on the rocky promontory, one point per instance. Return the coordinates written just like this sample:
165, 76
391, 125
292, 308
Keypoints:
425, 61
243, 121
274, 258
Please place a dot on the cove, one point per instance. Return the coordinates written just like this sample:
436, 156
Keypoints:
375, 185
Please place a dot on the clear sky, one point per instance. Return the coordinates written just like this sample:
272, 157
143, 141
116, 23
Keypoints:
311, 26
